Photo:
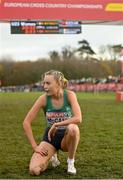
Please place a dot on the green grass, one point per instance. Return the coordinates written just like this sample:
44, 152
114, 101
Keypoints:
100, 152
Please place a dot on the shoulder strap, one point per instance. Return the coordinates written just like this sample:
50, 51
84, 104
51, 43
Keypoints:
48, 103
66, 102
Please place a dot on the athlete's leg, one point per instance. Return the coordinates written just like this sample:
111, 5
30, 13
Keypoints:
71, 139
38, 162
70, 143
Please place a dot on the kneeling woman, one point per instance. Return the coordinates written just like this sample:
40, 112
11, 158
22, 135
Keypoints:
63, 115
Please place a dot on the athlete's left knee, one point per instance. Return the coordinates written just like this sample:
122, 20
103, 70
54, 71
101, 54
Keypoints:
73, 130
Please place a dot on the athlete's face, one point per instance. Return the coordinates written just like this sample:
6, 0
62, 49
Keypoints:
50, 85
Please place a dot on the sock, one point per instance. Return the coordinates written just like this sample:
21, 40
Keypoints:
54, 157
70, 161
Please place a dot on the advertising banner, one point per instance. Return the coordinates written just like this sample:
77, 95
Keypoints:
61, 9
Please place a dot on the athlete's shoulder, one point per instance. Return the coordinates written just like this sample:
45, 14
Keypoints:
71, 94
43, 96
42, 100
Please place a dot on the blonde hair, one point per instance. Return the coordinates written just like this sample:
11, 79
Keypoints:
58, 76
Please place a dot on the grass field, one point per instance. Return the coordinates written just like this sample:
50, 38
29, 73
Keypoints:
100, 152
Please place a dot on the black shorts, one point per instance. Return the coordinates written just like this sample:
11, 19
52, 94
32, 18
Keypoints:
56, 140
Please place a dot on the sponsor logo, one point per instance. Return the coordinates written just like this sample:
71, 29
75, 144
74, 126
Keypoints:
114, 7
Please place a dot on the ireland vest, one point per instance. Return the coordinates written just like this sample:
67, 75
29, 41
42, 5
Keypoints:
54, 115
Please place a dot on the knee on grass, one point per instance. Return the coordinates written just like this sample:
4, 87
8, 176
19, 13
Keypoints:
37, 170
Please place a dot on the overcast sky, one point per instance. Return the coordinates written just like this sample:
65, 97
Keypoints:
32, 47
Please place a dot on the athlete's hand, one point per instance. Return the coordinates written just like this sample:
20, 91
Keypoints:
52, 132
41, 150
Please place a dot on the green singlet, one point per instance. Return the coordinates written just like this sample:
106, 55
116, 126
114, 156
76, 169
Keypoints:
54, 115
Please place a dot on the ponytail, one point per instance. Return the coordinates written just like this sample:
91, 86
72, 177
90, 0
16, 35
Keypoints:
65, 83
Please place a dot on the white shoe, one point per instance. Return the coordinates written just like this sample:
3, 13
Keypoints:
71, 169
55, 162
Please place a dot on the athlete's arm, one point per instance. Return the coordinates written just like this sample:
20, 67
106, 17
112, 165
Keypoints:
77, 115
40, 103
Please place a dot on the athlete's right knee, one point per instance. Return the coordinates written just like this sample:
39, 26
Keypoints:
38, 169
35, 170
